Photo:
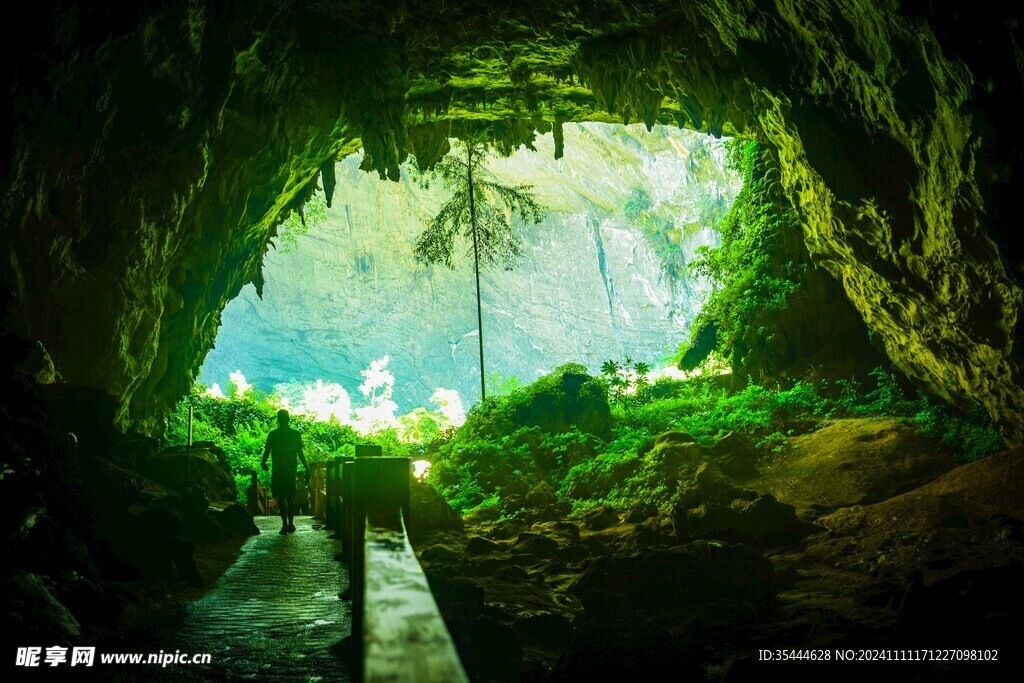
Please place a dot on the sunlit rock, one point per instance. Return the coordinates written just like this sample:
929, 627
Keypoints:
601, 277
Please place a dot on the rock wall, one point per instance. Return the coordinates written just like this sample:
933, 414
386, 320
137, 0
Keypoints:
591, 287
154, 149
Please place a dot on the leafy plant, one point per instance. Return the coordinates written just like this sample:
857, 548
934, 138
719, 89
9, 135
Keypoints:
758, 263
479, 209
308, 216
625, 380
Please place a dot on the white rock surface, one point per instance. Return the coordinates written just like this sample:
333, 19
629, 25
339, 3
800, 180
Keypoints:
590, 288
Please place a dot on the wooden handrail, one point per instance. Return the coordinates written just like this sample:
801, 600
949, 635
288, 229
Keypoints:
257, 498
404, 636
316, 489
396, 625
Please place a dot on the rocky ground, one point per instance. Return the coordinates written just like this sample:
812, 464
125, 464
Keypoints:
859, 535
97, 526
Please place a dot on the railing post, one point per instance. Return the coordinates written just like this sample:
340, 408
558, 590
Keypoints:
252, 494
331, 486
380, 492
345, 531
317, 494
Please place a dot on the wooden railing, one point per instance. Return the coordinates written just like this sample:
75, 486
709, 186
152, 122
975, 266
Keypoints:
396, 625
317, 489
257, 498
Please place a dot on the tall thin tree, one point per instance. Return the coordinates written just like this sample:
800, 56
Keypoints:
481, 210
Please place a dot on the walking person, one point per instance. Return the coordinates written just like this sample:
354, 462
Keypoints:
284, 448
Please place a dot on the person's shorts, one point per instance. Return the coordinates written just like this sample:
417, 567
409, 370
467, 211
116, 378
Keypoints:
282, 485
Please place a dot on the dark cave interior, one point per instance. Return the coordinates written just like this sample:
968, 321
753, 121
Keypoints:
155, 148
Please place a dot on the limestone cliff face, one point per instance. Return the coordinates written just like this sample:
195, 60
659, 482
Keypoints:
591, 286
154, 148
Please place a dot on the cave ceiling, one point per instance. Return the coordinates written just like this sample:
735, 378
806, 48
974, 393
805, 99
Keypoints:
156, 147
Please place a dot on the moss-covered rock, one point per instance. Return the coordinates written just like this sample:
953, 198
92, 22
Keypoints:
564, 401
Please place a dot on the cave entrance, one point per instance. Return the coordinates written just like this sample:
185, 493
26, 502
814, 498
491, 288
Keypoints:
346, 305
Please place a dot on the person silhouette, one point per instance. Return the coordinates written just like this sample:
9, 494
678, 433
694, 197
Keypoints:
284, 447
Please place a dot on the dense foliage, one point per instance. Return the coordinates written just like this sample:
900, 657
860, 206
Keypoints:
240, 422
494, 456
588, 438
478, 209
757, 265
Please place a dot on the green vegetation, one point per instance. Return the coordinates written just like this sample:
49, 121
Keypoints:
626, 381
519, 439
661, 230
480, 210
589, 438
300, 221
500, 453
240, 422
757, 265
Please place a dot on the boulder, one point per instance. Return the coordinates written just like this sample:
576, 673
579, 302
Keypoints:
151, 543
541, 495
84, 411
566, 531
535, 544
181, 552
601, 517
513, 504
736, 455
429, 511
935, 527
639, 512
852, 462
673, 452
676, 582
88, 601
574, 552
33, 613
595, 546
157, 523
439, 554
173, 467
549, 513
650, 532
111, 487
506, 529
237, 520
192, 505
37, 364
761, 522
710, 485
478, 545
482, 514
134, 450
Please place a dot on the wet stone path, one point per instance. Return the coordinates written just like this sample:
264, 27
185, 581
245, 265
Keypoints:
274, 614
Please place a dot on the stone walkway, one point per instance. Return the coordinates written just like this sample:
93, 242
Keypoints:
274, 614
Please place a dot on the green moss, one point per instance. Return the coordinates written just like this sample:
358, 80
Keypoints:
758, 264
